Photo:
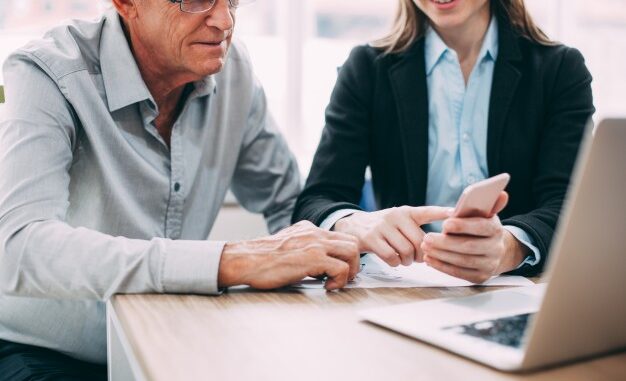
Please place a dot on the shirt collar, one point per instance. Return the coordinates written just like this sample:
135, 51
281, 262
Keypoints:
435, 47
123, 82
204, 87
490, 45
122, 79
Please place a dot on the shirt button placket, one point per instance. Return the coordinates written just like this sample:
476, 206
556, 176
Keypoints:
175, 208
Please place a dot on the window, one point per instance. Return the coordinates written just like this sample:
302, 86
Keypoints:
298, 45
597, 29
297, 54
24, 20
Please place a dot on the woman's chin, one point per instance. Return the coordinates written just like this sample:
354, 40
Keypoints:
448, 22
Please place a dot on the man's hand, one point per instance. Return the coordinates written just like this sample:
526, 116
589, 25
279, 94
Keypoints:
289, 256
474, 249
393, 234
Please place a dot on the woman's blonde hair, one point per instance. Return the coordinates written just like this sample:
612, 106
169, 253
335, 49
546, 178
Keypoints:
410, 24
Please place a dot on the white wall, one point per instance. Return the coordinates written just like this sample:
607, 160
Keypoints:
234, 224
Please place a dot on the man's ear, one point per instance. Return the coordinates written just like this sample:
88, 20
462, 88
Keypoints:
126, 8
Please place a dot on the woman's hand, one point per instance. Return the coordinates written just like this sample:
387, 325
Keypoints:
394, 234
474, 249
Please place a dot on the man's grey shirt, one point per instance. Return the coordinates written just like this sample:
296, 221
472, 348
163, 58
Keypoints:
92, 200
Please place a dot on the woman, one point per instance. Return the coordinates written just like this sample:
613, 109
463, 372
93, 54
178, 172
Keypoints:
460, 90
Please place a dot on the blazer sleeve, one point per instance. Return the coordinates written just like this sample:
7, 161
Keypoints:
570, 106
337, 174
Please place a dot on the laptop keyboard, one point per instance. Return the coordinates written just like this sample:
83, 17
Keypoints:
508, 331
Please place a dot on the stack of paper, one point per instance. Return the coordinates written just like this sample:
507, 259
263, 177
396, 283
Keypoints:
377, 274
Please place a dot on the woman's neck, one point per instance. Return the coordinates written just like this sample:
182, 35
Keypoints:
467, 39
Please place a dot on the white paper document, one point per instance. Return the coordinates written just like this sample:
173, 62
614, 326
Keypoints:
377, 274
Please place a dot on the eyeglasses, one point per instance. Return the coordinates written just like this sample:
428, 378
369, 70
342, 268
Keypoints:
201, 6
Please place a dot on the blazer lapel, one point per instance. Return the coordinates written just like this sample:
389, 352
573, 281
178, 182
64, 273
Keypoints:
506, 78
408, 81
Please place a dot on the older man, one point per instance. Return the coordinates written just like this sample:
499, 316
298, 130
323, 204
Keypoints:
119, 141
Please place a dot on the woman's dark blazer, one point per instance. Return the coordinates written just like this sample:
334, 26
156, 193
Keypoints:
378, 116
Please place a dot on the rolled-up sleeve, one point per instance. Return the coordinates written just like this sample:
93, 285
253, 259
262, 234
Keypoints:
41, 255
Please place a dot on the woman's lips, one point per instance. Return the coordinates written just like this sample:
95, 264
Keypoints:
445, 4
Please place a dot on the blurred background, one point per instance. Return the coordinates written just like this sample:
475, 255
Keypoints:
297, 46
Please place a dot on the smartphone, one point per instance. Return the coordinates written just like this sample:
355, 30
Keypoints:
478, 200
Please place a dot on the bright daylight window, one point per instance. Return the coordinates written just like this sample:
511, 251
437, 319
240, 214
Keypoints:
298, 45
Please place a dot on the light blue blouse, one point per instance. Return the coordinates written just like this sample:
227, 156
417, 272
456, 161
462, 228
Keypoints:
458, 120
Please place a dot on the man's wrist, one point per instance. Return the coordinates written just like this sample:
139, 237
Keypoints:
235, 264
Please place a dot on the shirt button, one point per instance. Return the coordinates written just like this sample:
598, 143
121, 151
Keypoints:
471, 180
466, 137
176, 187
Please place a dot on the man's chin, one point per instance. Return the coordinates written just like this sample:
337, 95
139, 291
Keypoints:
210, 68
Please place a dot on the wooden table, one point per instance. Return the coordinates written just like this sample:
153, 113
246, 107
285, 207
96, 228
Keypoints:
294, 335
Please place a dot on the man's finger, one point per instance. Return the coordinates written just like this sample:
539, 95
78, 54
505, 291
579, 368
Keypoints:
347, 252
337, 272
427, 214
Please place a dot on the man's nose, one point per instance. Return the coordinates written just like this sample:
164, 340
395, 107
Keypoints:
220, 16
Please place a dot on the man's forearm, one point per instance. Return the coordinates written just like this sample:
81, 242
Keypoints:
54, 259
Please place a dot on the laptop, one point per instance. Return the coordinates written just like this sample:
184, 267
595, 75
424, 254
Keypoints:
580, 312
